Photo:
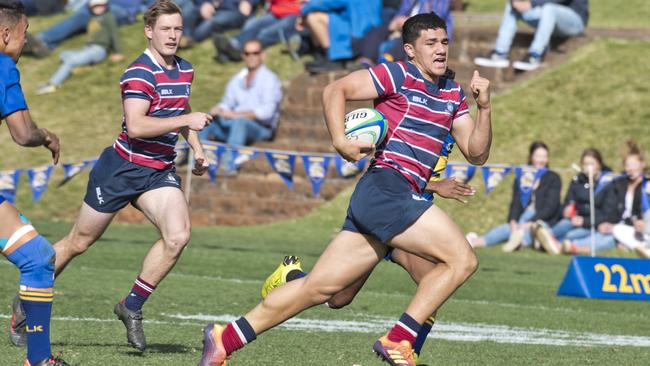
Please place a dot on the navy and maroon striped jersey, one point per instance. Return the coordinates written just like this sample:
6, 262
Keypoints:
420, 117
168, 91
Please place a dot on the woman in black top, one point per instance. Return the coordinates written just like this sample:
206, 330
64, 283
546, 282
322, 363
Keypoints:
576, 215
544, 204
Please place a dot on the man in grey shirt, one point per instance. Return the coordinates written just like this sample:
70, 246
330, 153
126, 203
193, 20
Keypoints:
249, 109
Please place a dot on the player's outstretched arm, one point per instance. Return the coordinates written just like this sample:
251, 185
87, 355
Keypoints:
25, 132
475, 138
140, 125
355, 86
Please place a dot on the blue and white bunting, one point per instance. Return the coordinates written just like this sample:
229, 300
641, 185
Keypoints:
70, 170
316, 168
527, 180
493, 175
346, 169
283, 164
241, 155
463, 172
214, 154
39, 178
9, 184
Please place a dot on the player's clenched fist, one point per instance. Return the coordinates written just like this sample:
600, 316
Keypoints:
481, 90
198, 120
52, 143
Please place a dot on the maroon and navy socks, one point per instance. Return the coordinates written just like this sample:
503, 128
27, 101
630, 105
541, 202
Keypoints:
236, 335
139, 294
406, 329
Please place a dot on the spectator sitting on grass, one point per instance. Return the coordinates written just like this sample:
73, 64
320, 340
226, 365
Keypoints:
103, 37
564, 18
249, 109
544, 205
633, 203
576, 221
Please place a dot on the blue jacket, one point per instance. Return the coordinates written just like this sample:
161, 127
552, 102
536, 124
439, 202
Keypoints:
347, 19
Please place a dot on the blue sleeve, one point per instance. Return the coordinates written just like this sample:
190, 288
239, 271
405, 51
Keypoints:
12, 98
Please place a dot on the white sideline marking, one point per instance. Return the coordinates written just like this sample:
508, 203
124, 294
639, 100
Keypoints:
464, 332
461, 332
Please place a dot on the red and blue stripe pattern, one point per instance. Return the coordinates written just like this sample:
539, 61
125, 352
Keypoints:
168, 92
420, 116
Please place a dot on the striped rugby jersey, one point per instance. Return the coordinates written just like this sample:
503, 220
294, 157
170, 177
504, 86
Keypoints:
169, 94
420, 116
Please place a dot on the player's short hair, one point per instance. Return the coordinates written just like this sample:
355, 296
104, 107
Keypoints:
11, 11
421, 22
161, 7
253, 40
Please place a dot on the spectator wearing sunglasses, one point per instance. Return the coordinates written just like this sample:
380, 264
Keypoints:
249, 109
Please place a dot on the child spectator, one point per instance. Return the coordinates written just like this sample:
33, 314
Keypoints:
103, 37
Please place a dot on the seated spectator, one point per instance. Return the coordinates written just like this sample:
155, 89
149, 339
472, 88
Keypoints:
544, 204
276, 25
564, 18
576, 220
632, 193
43, 7
249, 109
103, 36
333, 25
124, 12
210, 17
385, 41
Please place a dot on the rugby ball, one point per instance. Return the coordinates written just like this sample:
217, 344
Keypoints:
366, 124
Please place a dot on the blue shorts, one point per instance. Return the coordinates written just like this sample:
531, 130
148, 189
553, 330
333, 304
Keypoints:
114, 182
383, 205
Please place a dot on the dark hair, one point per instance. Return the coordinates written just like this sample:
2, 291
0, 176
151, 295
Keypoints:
11, 11
421, 22
593, 153
253, 40
533, 147
161, 7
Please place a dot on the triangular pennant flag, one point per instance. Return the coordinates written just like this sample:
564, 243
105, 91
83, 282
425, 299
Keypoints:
527, 180
347, 169
240, 155
645, 198
283, 164
493, 175
39, 178
9, 184
316, 169
462, 172
213, 153
71, 170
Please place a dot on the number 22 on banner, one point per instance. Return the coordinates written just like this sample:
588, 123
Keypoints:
638, 280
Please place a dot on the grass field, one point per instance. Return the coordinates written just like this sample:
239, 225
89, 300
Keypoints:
507, 314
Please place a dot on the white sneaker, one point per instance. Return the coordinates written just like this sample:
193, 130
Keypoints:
528, 63
494, 59
471, 238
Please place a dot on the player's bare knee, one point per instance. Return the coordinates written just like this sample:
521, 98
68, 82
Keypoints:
77, 242
469, 263
177, 240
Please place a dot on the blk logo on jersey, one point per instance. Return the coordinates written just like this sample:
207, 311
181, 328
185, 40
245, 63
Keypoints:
166, 92
100, 199
419, 100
